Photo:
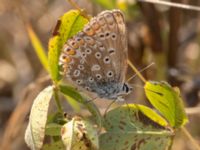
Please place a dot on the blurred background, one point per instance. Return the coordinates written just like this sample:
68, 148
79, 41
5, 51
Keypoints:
169, 37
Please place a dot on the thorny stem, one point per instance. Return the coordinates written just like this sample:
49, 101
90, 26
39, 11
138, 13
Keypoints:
136, 71
185, 131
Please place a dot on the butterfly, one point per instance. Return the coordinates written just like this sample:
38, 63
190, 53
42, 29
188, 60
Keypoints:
95, 59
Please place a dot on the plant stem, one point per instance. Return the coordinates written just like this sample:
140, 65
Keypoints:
136, 71
57, 99
194, 143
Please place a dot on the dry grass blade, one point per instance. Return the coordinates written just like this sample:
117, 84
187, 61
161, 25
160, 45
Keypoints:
172, 4
19, 114
39, 49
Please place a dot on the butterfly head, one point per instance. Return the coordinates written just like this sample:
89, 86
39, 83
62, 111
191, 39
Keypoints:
126, 89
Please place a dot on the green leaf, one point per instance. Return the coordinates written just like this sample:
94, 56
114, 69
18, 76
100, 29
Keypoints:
67, 26
54, 146
38, 47
53, 129
57, 118
167, 101
152, 115
79, 134
129, 127
73, 103
35, 131
71, 92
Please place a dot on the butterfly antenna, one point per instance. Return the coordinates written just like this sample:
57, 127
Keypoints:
143, 69
82, 11
172, 4
137, 86
74, 4
136, 71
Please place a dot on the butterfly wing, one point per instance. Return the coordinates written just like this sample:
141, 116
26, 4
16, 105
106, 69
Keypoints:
96, 58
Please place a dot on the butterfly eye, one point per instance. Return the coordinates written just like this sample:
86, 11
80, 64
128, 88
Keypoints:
126, 88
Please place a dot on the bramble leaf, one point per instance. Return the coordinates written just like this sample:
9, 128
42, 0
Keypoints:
167, 101
35, 131
129, 127
67, 26
79, 134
